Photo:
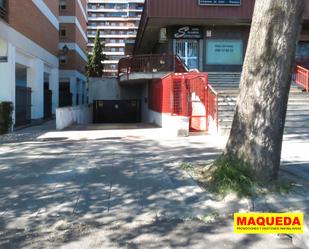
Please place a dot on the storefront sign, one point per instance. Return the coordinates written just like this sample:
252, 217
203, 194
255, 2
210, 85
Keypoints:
224, 52
188, 32
220, 2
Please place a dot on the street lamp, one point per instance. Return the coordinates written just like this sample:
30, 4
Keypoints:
64, 50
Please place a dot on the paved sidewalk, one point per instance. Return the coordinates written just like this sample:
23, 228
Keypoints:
92, 188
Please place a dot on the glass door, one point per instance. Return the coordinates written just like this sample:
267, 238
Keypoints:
188, 51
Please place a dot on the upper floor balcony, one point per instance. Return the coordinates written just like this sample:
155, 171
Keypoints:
114, 18
104, 9
111, 27
3, 9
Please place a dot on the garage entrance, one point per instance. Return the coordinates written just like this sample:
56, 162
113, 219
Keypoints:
117, 111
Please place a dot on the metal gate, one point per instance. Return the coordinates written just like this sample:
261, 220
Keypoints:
22, 106
197, 103
190, 99
188, 51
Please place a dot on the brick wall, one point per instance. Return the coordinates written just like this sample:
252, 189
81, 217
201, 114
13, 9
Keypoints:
27, 19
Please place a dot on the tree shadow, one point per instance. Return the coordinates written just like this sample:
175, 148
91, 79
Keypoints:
113, 193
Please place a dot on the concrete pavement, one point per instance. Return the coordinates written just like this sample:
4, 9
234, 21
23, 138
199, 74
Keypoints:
89, 187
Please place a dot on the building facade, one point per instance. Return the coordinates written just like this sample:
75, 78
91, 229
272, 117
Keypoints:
117, 21
29, 58
72, 52
206, 35
30, 49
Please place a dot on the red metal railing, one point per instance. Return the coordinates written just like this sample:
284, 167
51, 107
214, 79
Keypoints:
186, 94
151, 64
301, 77
212, 106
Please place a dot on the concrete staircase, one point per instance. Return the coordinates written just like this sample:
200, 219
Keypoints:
225, 81
297, 120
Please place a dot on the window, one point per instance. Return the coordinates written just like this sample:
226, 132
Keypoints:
63, 32
224, 52
302, 51
62, 59
188, 51
63, 4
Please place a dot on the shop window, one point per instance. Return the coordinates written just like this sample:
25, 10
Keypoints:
302, 52
224, 52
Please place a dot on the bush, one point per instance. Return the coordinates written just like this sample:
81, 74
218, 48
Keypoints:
6, 121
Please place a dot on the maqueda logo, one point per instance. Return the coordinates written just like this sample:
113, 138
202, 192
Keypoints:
259, 223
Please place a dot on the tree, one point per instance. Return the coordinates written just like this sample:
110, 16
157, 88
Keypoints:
95, 66
259, 119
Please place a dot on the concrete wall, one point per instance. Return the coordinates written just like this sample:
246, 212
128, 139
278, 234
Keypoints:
67, 116
108, 88
103, 89
172, 125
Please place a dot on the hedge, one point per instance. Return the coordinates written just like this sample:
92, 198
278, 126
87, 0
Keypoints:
6, 121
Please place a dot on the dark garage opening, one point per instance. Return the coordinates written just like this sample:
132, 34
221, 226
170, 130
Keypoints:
117, 111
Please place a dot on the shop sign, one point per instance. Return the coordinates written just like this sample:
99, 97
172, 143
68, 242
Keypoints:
187, 32
220, 2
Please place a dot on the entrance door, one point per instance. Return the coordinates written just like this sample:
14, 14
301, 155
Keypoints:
188, 51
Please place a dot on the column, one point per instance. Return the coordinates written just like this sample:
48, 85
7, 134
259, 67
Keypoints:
84, 90
80, 91
54, 87
7, 76
35, 79
73, 89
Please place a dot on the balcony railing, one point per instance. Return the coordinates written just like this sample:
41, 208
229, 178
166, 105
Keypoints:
151, 64
3, 9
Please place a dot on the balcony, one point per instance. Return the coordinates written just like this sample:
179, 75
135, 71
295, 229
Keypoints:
145, 67
3, 9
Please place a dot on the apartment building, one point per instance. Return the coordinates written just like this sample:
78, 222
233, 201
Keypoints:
117, 21
72, 52
42, 42
29, 67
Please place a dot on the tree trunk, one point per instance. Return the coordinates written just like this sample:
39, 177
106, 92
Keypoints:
259, 118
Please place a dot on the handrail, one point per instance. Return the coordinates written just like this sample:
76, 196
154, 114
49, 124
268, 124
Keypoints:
213, 90
301, 77
213, 105
186, 69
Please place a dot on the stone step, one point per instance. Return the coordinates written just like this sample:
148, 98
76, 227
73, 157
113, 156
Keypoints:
297, 120
225, 130
292, 104
290, 116
292, 122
